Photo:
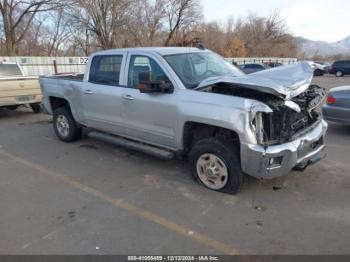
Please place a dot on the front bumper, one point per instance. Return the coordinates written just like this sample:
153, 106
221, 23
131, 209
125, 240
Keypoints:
279, 160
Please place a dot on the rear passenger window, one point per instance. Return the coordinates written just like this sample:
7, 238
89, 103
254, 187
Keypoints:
105, 70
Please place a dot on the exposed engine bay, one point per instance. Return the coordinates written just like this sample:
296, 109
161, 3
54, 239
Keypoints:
284, 124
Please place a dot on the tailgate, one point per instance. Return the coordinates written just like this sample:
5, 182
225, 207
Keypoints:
16, 87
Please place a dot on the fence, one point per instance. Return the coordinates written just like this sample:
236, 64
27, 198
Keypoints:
35, 65
246, 60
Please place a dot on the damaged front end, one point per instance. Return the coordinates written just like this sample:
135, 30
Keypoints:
293, 108
285, 123
290, 129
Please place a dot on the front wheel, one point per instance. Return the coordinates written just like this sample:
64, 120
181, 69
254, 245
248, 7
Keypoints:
215, 163
66, 128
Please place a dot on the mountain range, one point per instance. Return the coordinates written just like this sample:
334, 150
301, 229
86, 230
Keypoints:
310, 47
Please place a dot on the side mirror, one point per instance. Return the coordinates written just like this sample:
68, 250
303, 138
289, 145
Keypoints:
153, 86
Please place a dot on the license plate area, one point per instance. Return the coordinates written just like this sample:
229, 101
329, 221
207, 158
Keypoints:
24, 98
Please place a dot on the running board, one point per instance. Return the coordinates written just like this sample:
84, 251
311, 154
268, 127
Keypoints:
133, 145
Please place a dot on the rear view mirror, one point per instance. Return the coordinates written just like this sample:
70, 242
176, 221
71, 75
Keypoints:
153, 86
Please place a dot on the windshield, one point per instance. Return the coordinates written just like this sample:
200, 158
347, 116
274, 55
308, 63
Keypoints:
10, 70
193, 68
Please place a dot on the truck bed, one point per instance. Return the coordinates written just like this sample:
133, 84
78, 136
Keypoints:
70, 77
65, 86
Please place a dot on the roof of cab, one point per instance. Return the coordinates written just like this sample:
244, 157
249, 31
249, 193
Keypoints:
159, 50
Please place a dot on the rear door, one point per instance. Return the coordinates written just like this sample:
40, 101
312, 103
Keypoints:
101, 94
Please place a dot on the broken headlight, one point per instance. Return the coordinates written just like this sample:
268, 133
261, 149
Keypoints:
259, 114
258, 127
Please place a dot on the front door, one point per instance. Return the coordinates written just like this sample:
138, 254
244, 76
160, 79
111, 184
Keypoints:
149, 117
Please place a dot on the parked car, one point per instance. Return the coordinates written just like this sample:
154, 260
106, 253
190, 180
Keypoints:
17, 89
337, 108
272, 64
252, 67
321, 68
340, 68
191, 103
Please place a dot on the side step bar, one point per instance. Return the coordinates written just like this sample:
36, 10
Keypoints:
133, 145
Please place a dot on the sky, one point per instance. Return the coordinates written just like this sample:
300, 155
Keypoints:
324, 20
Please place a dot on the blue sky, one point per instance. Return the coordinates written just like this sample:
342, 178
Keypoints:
327, 20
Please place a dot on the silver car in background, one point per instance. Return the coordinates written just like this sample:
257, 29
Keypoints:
337, 108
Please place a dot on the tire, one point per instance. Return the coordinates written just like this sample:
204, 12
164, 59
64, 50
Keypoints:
66, 128
339, 74
36, 108
12, 107
226, 175
318, 72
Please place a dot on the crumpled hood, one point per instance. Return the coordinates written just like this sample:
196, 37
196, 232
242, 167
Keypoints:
285, 82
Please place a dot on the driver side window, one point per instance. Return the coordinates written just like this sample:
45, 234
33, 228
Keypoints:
143, 68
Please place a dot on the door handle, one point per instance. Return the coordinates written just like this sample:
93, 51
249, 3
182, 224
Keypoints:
128, 97
88, 92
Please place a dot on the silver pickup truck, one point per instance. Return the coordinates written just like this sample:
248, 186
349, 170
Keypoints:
191, 103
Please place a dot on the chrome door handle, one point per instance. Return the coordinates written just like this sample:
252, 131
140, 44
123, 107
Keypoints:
88, 92
128, 97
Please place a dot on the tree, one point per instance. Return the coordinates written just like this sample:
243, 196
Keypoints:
266, 36
146, 23
56, 34
234, 47
17, 17
90, 25
104, 18
181, 15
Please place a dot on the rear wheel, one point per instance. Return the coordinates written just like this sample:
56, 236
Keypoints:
215, 164
66, 128
36, 108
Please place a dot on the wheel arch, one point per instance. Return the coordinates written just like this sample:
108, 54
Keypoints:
57, 102
195, 131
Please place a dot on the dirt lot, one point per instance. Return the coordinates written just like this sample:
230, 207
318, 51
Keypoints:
93, 198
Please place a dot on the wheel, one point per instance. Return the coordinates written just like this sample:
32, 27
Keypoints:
36, 108
339, 74
12, 107
318, 72
215, 163
66, 128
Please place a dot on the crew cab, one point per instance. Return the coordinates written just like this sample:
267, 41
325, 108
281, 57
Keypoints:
17, 89
191, 103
